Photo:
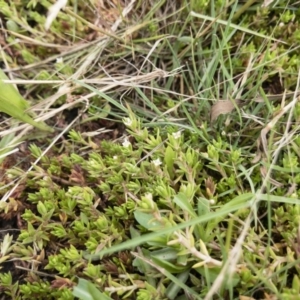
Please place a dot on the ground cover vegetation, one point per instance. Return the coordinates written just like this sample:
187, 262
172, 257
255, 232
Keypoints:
169, 165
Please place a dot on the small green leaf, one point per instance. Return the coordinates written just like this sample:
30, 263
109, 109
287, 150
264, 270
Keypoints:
13, 104
134, 232
85, 290
182, 202
147, 220
12, 26
41, 208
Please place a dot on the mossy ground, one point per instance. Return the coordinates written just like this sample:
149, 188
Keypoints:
173, 171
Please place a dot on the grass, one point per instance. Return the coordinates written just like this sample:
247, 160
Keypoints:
173, 169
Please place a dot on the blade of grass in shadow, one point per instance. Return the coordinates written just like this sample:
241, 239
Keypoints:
148, 102
173, 289
103, 95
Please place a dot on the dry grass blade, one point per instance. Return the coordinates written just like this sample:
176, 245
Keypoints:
99, 48
53, 12
108, 84
267, 3
74, 49
230, 264
130, 80
27, 40
271, 124
91, 58
242, 81
264, 171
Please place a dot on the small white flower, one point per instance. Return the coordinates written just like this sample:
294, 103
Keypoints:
176, 135
127, 121
157, 162
126, 143
115, 157
59, 60
212, 201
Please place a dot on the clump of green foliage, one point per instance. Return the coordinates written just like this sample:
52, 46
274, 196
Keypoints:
193, 196
154, 181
